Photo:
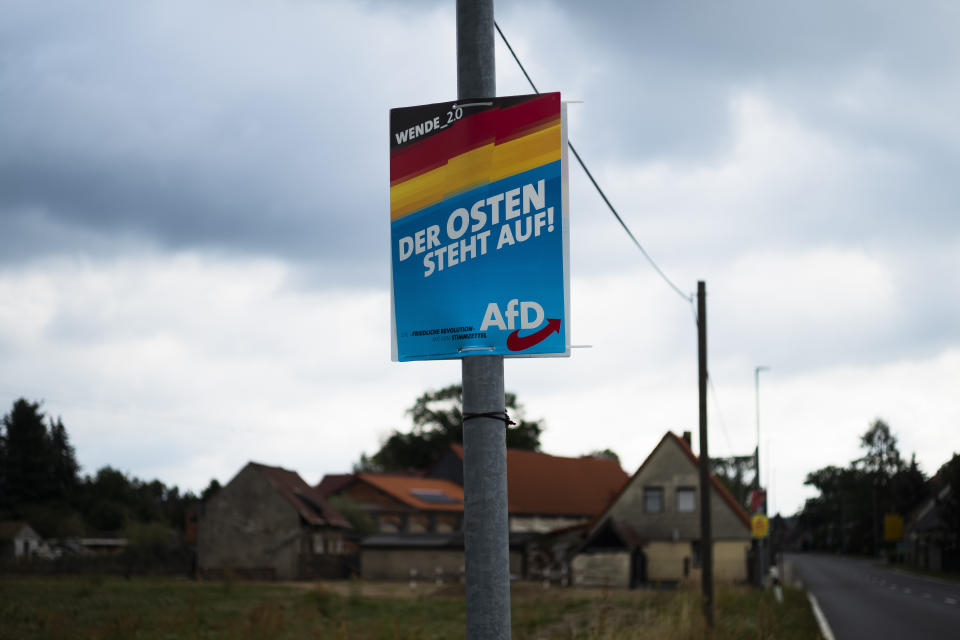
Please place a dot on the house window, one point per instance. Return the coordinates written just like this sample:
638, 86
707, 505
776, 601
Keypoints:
390, 523
653, 499
686, 499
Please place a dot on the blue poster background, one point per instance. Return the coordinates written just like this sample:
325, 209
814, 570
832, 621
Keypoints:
440, 316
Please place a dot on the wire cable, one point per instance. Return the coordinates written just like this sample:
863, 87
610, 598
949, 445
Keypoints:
688, 297
613, 210
716, 405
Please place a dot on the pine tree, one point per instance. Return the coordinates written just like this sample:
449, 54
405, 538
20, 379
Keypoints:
26, 478
64, 465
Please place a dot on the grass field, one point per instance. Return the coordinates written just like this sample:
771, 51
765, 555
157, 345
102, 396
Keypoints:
114, 608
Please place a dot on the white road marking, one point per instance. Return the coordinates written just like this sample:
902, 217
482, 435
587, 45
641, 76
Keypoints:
926, 595
907, 591
821, 619
950, 600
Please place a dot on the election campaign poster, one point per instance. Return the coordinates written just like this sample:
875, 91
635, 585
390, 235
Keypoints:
479, 229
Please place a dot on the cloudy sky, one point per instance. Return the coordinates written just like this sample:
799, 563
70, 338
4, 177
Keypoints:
194, 225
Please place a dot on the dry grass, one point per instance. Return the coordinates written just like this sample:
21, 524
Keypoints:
99, 608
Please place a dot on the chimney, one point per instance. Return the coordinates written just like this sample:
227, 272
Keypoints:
686, 438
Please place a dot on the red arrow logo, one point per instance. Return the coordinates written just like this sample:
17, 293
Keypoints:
517, 343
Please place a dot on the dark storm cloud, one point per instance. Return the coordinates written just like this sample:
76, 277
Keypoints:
260, 129
141, 124
674, 65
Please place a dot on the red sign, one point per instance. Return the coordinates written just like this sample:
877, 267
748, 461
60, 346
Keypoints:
758, 501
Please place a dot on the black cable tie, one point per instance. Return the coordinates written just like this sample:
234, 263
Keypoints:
493, 415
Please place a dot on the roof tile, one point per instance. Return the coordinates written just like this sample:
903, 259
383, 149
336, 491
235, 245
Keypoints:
308, 501
539, 483
405, 489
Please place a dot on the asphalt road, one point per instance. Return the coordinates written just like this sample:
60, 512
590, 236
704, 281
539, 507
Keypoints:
861, 600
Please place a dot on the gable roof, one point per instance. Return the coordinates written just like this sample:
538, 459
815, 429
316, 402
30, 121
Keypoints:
926, 517
670, 436
427, 494
309, 503
10, 530
542, 484
333, 482
625, 535
739, 511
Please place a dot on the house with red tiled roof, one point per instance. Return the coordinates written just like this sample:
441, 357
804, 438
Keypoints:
331, 483
404, 503
419, 526
650, 531
546, 492
268, 523
420, 518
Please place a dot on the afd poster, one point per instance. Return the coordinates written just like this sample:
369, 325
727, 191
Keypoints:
479, 228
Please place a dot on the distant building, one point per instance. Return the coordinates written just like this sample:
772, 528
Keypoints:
331, 483
546, 492
419, 524
929, 543
19, 540
407, 504
267, 523
650, 533
419, 520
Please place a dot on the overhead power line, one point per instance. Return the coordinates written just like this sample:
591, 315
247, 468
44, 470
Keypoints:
613, 210
688, 297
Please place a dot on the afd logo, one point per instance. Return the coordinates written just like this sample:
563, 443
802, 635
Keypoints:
531, 316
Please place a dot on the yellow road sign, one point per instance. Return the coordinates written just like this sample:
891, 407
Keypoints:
759, 526
892, 527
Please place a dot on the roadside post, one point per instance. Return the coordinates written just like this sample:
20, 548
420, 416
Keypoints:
758, 500
479, 272
706, 534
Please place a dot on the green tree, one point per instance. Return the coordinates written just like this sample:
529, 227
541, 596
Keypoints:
736, 473
604, 454
27, 455
949, 505
37, 462
882, 457
212, 489
437, 422
359, 518
64, 467
847, 513
881, 462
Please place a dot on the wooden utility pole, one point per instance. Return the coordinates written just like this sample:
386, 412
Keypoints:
706, 535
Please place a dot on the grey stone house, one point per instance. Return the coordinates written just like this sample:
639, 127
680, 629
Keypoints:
267, 523
650, 533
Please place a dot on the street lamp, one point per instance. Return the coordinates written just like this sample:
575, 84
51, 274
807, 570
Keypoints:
756, 381
759, 548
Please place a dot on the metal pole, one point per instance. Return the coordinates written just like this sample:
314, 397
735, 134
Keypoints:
485, 522
706, 535
760, 563
476, 72
756, 382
